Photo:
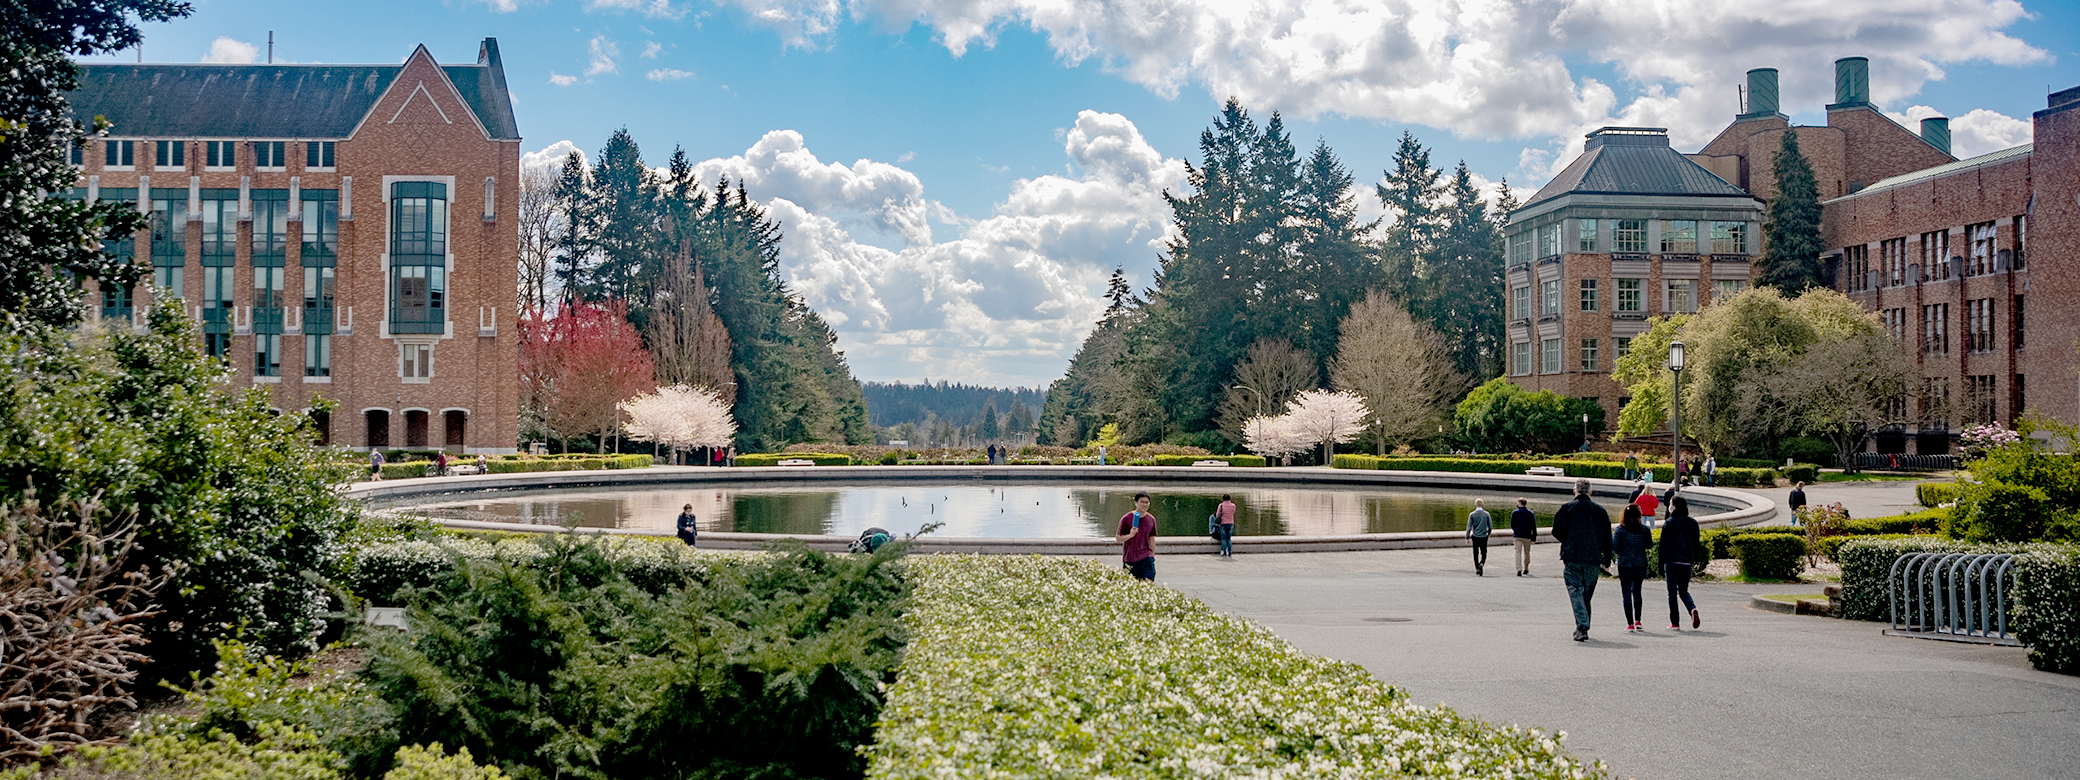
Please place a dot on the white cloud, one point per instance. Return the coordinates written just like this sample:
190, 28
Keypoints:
1978, 132
605, 57
668, 74
1007, 301
651, 49
661, 9
503, 6
551, 157
561, 80
225, 50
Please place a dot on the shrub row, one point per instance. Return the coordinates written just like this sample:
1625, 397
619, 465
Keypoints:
1934, 494
1778, 556
1232, 460
1574, 468
2047, 615
521, 464
1808, 473
381, 573
1867, 562
774, 458
1028, 666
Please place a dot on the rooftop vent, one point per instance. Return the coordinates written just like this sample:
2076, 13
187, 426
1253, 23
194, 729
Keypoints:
2064, 97
1852, 81
1626, 136
1936, 131
1762, 92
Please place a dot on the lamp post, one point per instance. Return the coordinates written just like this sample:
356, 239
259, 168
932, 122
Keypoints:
1585, 431
1675, 402
1254, 394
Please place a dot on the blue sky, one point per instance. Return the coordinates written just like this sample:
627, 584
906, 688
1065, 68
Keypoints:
958, 177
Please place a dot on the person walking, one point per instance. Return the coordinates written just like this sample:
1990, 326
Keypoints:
440, 463
1679, 559
1226, 528
1523, 525
1798, 502
1137, 539
1479, 525
375, 465
1584, 532
1648, 504
688, 532
1630, 542
1711, 471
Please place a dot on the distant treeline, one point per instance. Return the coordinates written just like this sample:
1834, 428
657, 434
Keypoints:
894, 403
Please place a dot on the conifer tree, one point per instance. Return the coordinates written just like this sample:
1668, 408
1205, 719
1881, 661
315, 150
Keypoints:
1465, 279
1410, 192
1791, 261
573, 195
623, 203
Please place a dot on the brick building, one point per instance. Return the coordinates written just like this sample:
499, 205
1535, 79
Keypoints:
1974, 266
339, 231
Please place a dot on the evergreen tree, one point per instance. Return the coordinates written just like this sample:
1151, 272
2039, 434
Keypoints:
1410, 193
1465, 280
1118, 293
1335, 267
624, 205
1791, 261
573, 196
989, 421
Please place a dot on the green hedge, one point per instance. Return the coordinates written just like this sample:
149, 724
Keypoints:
1574, 468
380, 573
1740, 476
1934, 494
1866, 563
2047, 614
1808, 473
1777, 556
1232, 460
774, 458
572, 463
1031, 666
1717, 542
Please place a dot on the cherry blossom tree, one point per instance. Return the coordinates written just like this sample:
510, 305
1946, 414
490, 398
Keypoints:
1330, 418
679, 418
1273, 437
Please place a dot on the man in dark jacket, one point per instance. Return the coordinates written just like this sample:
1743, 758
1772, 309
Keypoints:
1680, 554
1524, 526
1584, 532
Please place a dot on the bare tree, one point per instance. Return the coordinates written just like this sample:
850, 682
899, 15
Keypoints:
1399, 366
540, 225
687, 340
1842, 389
1329, 418
71, 623
1266, 379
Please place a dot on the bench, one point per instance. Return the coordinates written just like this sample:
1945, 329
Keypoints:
796, 462
1546, 471
1209, 463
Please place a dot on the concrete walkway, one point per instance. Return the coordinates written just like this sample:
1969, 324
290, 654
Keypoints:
1862, 499
1753, 695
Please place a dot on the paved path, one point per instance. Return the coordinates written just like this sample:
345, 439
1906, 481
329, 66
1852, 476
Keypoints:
1753, 695
1862, 499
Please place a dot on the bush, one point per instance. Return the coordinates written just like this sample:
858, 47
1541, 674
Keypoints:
1593, 469
1867, 562
1211, 441
1232, 460
1030, 666
774, 458
2046, 615
1807, 449
1802, 472
383, 573
1501, 416
1740, 476
569, 463
1934, 494
890, 458
1996, 511
1770, 556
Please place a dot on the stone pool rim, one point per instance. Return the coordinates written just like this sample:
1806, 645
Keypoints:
1751, 509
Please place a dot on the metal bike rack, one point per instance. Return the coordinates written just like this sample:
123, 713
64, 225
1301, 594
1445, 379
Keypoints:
1959, 597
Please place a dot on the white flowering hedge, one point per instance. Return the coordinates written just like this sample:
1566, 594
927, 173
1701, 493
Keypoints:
1024, 666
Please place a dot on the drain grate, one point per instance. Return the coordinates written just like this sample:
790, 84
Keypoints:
1388, 620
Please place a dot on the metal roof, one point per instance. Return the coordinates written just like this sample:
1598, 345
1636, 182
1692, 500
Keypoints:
1635, 169
269, 101
1946, 169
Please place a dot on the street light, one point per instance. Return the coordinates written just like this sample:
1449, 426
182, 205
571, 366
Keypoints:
1253, 393
1675, 402
1585, 431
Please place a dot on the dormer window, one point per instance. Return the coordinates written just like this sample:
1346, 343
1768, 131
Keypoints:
220, 155
270, 155
317, 155
119, 155
169, 155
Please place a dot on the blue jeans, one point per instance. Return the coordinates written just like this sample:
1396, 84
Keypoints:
1581, 588
1227, 538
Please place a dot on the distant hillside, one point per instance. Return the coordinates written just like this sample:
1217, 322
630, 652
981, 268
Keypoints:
890, 404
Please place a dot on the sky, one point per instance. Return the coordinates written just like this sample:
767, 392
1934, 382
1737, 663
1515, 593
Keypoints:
956, 179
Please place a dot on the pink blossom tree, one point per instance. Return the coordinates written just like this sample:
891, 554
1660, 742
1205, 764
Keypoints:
1330, 418
679, 418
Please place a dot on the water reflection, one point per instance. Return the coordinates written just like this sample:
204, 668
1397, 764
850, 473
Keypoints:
992, 510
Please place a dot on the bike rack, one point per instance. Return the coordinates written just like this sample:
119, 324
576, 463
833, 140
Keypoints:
1957, 597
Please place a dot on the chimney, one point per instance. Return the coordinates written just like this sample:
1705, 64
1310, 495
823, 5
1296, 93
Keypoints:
1852, 81
1762, 92
1936, 131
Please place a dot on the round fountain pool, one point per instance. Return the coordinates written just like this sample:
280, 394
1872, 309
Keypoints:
1008, 509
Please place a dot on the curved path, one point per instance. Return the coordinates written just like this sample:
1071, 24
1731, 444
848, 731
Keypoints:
1719, 506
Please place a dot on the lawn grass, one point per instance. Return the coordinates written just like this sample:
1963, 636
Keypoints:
1865, 476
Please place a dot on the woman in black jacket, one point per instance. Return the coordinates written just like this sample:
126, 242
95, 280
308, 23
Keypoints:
1680, 558
1631, 540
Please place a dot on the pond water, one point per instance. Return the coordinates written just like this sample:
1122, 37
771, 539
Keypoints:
1008, 510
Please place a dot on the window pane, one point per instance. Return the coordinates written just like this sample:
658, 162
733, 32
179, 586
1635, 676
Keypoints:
1586, 237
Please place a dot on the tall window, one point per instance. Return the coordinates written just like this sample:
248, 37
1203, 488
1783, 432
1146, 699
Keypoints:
418, 257
320, 256
1979, 260
1978, 333
1520, 248
1589, 291
1892, 254
1723, 289
115, 300
169, 155
76, 154
2016, 400
317, 355
1589, 356
1549, 297
1896, 323
169, 226
1551, 350
1681, 296
2021, 239
270, 155
1585, 235
320, 224
216, 311
119, 154
317, 299
1520, 358
219, 155
417, 361
1679, 236
2015, 313
1856, 267
219, 226
1630, 235
1520, 299
270, 227
267, 354
1982, 406
1630, 297
317, 154
1729, 238
1622, 346
1549, 240
1935, 401
1935, 255
1935, 328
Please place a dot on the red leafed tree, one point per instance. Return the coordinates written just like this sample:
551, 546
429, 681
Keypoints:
579, 365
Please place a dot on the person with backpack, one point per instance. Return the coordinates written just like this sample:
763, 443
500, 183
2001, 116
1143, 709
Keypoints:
1224, 525
1680, 555
1523, 525
1478, 527
1631, 541
375, 465
869, 540
688, 532
1137, 540
1583, 530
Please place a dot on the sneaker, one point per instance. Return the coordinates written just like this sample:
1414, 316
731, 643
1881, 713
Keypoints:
1581, 635
1674, 627
1695, 621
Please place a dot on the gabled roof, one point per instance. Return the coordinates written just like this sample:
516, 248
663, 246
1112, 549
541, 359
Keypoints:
1940, 171
269, 101
1634, 161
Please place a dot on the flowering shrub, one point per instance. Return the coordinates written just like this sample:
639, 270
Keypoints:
1978, 440
1025, 666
